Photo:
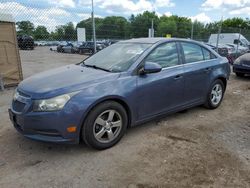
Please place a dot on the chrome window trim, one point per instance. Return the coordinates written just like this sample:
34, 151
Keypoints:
196, 62
165, 68
185, 64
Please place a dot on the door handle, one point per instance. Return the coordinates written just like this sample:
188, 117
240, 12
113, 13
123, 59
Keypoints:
178, 77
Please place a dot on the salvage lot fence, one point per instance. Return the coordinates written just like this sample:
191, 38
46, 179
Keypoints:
52, 26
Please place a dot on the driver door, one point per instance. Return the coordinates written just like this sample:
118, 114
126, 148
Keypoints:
163, 91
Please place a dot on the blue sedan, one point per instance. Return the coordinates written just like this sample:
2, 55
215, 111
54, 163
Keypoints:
125, 84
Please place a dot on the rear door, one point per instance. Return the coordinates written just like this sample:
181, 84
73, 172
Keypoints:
197, 71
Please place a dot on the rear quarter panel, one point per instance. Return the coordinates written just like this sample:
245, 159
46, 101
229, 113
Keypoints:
220, 69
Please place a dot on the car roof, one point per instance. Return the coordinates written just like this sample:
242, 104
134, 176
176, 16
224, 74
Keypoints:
154, 40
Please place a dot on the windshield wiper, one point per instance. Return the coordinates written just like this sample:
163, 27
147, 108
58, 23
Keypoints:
96, 67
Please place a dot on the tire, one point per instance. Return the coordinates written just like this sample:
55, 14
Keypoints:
109, 131
239, 74
215, 95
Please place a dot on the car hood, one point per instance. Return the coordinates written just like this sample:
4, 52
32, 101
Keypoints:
62, 80
245, 59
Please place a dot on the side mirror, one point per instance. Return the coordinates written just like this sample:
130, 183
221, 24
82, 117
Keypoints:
150, 67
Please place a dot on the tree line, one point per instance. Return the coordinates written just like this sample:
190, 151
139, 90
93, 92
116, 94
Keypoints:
117, 27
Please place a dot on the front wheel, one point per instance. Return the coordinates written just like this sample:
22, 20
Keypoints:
215, 94
105, 125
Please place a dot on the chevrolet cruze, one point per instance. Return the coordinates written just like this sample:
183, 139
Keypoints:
124, 85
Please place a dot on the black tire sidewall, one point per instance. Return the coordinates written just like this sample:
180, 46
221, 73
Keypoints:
209, 103
87, 130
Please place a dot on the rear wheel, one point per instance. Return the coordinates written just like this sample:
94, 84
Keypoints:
105, 125
215, 94
239, 74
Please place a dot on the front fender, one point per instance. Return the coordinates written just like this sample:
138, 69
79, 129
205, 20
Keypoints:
121, 90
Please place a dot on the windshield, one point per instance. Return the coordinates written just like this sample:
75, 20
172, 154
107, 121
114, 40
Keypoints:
117, 57
244, 41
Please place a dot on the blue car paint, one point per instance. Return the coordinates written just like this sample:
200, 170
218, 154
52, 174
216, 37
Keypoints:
144, 96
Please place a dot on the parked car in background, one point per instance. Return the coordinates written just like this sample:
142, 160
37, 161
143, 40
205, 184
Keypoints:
241, 65
238, 50
123, 85
88, 47
113, 41
41, 43
61, 45
52, 43
223, 50
71, 48
53, 48
229, 38
25, 42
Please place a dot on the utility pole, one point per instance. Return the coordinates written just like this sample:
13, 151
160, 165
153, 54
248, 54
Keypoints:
237, 49
93, 25
218, 35
152, 28
192, 30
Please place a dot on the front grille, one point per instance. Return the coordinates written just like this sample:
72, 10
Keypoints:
18, 106
47, 132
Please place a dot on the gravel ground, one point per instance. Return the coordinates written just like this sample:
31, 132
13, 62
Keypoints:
197, 148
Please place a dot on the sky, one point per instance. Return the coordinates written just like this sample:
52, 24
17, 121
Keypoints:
57, 12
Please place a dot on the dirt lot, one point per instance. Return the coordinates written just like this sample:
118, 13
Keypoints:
198, 148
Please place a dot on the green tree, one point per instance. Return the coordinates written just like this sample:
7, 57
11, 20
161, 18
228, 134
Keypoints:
167, 25
199, 31
235, 23
59, 33
87, 24
69, 31
114, 27
41, 33
184, 26
142, 22
64, 32
25, 28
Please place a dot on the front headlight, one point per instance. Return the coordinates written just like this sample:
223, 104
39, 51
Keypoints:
52, 104
15, 95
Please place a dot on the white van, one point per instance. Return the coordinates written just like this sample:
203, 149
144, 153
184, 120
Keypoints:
229, 38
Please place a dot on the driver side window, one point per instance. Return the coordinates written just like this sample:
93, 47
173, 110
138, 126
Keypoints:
165, 55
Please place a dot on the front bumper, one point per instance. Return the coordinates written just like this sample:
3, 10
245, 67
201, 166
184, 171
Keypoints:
47, 127
245, 69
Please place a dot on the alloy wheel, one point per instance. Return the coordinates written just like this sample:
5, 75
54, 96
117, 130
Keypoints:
107, 126
216, 94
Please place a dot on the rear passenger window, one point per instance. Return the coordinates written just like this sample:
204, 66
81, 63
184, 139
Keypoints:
207, 54
192, 52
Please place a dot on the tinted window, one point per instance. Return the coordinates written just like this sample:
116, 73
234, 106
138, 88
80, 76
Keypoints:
192, 52
166, 55
207, 54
